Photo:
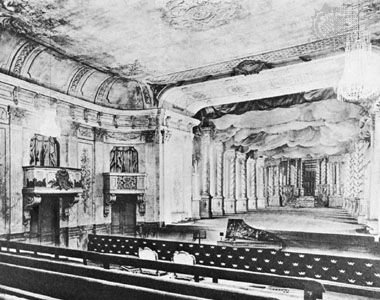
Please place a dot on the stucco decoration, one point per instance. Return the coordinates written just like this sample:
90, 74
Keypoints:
160, 41
86, 177
202, 15
26, 59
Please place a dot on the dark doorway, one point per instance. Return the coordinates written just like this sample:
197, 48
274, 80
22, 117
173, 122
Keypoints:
44, 223
124, 215
309, 173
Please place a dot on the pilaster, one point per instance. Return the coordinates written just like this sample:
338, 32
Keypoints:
217, 200
229, 182
241, 183
251, 177
205, 209
260, 183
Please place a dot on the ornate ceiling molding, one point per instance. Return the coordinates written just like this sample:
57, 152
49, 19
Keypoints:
323, 46
317, 74
24, 58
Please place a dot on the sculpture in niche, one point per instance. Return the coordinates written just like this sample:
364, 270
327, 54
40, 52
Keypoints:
44, 151
124, 159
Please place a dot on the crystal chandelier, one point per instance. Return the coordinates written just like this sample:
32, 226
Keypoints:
357, 83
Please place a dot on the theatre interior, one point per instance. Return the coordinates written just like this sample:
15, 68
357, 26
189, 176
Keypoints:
190, 149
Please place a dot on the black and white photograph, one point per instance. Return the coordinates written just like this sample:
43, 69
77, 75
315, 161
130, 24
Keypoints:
189, 149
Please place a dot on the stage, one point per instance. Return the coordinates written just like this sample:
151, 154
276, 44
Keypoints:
316, 230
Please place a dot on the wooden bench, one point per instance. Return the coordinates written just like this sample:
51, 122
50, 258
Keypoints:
312, 288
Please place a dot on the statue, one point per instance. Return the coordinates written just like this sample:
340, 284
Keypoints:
124, 159
44, 151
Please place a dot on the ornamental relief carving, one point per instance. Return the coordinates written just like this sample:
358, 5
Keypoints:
126, 182
201, 15
4, 116
17, 115
85, 133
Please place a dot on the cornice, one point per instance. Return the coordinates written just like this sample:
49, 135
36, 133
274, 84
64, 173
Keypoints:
288, 55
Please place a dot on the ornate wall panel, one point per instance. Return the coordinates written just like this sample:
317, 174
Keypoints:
3, 178
85, 207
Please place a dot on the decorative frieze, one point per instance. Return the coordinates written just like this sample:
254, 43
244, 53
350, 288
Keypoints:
52, 180
86, 133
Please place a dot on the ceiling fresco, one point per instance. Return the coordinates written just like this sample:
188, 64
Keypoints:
154, 38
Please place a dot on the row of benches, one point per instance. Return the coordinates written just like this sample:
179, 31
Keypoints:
311, 288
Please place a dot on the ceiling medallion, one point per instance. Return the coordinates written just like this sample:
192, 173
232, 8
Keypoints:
200, 15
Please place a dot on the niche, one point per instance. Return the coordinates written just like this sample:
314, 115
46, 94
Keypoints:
44, 151
124, 160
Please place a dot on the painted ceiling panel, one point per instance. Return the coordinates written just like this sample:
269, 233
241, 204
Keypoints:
155, 37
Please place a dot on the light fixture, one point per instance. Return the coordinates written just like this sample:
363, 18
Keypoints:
357, 83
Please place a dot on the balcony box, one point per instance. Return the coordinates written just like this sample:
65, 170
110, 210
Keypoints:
124, 183
52, 180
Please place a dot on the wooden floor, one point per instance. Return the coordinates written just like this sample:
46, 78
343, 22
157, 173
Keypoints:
317, 230
318, 220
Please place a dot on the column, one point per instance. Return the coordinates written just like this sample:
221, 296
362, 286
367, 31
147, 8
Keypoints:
317, 177
229, 182
373, 207
300, 178
241, 189
288, 175
276, 187
196, 180
217, 200
296, 178
260, 183
323, 171
251, 178
269, 184
205, 157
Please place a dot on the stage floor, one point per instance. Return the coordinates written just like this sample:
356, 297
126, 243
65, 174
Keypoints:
318, 220
317, 230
